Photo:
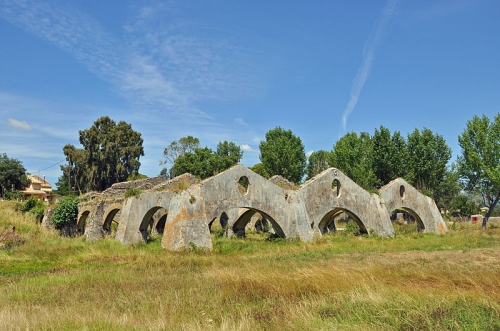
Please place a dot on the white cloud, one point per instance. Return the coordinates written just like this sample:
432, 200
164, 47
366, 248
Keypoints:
240, 121
368, 55
247, 148
19, 124
158, 64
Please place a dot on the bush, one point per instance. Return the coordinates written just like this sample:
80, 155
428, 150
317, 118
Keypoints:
352, 228
29, 204
13, 195
38, 211
130, 192
65, 212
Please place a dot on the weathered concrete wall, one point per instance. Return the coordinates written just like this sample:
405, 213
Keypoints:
187, 207
398, 194
136, 214
331, 192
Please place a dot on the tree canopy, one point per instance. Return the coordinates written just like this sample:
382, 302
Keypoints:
204, 162
110, 154
479, 163
352, 154
317, 162
389, 155
428, 156
282, 153
176, 149
12, 174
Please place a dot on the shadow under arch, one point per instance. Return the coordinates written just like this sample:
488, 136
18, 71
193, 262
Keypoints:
223, 220
147, 221
416, 217
159, 220
244, 219
327, 222
109, 218
82, 219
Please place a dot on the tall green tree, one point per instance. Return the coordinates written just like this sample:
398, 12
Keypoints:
110, 154
282, 153
204, 162
12, 174
389, 155
479, 164
228, 154
176, 149
201, 163
352, 154
317, 162
75, 173
428, 156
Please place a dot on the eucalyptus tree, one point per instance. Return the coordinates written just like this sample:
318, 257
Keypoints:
110, 154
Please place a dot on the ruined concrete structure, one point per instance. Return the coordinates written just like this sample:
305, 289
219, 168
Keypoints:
184, 209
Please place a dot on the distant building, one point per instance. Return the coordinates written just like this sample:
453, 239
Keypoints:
38, 188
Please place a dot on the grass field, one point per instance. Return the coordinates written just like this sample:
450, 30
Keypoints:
339, 282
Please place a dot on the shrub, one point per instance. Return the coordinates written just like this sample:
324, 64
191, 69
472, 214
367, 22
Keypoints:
29, 204
352, 228
38, 211
65, 212
130, 192
13, 195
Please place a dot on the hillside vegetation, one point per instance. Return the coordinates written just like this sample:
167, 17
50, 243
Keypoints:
339, 282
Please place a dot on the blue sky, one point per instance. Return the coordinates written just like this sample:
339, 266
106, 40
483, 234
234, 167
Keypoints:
232, 70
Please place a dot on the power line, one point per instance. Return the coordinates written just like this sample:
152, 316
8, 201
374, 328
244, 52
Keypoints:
51, 166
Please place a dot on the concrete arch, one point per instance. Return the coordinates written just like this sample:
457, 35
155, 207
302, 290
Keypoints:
109, 215
136, 214
222, 220
332, 191
83, 215
325, 225
197, 206
159, 219
223, 192
239, 226
399, 194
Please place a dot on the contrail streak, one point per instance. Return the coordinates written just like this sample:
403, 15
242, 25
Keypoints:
368, 54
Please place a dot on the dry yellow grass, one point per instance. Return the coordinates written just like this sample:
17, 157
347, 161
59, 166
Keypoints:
411, 282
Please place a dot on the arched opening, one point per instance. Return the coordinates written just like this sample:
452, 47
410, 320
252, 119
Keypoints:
218, 225
239, 227
341, 219
406, 220
159, 219
149, 225
402, 191
80, 225
110, 224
